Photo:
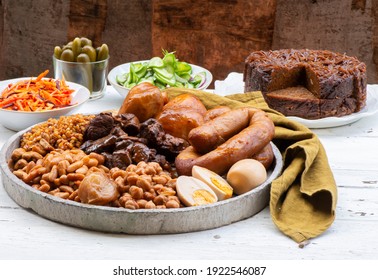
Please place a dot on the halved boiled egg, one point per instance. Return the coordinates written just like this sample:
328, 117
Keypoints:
221, 188
193, 192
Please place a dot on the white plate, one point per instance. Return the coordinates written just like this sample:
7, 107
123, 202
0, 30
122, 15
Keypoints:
370, 109
125, 68
18, 120
141, 221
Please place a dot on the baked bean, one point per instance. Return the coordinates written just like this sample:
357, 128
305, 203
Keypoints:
21, 163
100, 158
92, 162
63, 180
17, 154
74, 166
30, 176
39, 149
66, 188
63, 195
44, 188
62, 167
31, 156
73, 195
53, 173
20, 174
82, 170
29, 167
54, 191
75, 177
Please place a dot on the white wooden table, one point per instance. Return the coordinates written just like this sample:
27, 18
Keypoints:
353, 155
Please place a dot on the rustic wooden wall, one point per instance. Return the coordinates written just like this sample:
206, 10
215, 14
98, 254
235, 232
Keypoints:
215, 34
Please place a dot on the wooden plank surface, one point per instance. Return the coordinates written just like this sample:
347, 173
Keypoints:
218, 35
340, 26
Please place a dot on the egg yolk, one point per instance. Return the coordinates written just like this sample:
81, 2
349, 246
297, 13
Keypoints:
202, 197
224, 188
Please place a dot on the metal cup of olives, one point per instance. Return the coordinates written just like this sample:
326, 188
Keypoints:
79, 62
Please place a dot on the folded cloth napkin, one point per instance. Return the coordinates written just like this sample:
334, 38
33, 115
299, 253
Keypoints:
303, 198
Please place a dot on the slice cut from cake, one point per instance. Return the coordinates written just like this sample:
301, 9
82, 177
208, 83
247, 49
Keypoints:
300, 102
335, 83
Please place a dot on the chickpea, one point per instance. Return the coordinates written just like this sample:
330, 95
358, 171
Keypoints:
131, 204
144, 183
136, 192
142, 203
124, 198
160, 199
172, 204
150, 205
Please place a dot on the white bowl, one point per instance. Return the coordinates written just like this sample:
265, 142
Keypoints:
18, 120
125, 68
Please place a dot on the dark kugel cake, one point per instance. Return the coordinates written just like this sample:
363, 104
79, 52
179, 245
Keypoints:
310, 84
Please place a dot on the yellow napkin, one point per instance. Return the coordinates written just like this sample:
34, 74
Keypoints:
303, 198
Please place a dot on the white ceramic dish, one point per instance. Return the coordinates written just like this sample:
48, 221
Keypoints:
125, 68
142, 221
370, 109
234, 84
17, 120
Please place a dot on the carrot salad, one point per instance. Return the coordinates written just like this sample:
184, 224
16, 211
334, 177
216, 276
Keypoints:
36, 94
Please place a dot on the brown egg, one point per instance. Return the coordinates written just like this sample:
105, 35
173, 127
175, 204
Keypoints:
96, 188
246, 175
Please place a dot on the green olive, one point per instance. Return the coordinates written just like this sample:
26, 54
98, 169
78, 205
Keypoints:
85, 41
90, 51
67, 55
83, 57
67, 46
57, 52
76, 46
103, 52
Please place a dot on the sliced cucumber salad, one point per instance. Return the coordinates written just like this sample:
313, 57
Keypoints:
162, 72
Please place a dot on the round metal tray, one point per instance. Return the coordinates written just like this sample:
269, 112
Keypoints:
141, 221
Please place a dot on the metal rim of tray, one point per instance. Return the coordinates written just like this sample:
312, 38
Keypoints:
141, 221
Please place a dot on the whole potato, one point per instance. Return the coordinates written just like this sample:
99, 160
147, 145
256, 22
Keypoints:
144, 101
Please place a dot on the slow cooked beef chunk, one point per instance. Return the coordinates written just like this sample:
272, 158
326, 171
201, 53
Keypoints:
129, 123
106, 143
164, 143
99, 126
123, 141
